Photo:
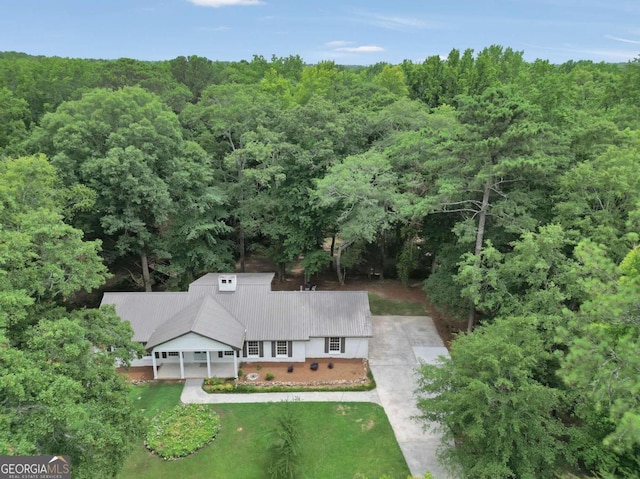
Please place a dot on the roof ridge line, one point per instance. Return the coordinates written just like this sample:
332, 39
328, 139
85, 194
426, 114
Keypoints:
197, 318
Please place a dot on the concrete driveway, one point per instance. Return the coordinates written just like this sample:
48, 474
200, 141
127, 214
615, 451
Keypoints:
398, 343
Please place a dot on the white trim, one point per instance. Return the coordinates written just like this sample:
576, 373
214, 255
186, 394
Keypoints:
235, 365
208, 364
155, 366
286, 349
192, 342
257, 354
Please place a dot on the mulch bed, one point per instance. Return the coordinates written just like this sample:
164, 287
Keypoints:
343, 371
139, 373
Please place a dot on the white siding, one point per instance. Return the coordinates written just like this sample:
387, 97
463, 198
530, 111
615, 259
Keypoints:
146, 361
353, 348
192, 342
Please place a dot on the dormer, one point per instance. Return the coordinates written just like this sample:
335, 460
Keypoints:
227, 282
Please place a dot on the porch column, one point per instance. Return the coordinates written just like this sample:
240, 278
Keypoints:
155, 365
181, 365
208, 364
235, 365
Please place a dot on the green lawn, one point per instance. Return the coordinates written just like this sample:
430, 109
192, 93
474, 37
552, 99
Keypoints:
340, 440
153, 397
383, 306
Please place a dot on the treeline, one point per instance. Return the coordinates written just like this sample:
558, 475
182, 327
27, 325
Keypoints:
514, 185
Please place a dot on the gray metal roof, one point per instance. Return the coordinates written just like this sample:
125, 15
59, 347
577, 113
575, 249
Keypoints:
266, 315
299, 315
209, 282
205, 317
146, 311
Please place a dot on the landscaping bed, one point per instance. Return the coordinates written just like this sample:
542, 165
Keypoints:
330, 374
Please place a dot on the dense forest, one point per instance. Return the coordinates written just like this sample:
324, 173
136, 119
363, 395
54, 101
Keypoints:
511, 187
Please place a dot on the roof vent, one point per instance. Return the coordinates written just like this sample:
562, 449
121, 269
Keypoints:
227, 282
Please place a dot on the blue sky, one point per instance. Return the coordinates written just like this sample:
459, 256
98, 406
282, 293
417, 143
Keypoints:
349, 32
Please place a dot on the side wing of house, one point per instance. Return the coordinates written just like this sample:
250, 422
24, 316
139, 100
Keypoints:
295, 326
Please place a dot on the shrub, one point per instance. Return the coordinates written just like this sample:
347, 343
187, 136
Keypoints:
220, 388
211, 385
240, 373
181, 431
213, 381
269, 377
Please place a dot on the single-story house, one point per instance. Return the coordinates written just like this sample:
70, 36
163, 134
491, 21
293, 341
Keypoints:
224, 319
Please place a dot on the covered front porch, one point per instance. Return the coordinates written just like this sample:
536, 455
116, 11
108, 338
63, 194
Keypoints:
194, 356
196, 371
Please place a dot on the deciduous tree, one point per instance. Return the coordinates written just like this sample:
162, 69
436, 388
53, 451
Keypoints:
59, 392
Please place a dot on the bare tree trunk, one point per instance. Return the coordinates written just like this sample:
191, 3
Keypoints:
482, 221
241, 247
341, 248
383, 257
333, 247
146, 277
281, 271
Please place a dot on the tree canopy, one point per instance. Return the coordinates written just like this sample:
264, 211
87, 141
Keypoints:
508, 188
59, 392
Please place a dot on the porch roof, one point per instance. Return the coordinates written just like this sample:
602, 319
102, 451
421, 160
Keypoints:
205, 317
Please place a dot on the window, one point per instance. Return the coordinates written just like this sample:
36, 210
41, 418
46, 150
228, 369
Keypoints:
228, 353
334, 345
252, 348
281, 348
173, 354
199, 355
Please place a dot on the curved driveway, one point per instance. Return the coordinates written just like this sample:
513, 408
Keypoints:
398, 343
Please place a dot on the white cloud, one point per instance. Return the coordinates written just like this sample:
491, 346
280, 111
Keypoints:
624, 40
225, 3
360, 49
337, 43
